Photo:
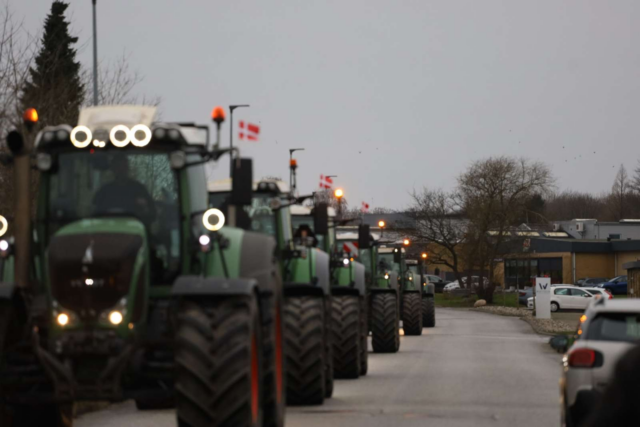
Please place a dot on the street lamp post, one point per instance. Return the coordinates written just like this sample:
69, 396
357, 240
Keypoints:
231, 108
95, 55
292, 169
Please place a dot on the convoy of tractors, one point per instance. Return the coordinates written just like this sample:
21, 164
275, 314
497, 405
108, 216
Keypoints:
133, 277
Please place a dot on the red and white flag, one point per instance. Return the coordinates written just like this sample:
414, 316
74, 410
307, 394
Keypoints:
365, 207
248, 131
326, 182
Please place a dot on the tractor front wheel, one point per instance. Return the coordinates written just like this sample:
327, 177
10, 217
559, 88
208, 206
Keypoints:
346, 332
218, 366
412, 313
384, 322
428, 312
364, 334
304, 338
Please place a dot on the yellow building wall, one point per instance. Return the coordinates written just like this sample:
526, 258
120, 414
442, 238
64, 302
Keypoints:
595, 265
622, 258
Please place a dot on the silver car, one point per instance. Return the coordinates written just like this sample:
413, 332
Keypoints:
607, 330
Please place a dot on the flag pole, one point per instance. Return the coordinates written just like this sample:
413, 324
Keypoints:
231, 108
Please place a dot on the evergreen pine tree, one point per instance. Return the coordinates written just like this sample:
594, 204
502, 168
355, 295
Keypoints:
54, 86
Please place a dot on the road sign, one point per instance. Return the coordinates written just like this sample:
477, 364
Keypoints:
543, 297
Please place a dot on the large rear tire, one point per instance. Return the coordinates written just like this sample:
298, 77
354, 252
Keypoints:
218, 370
304, 339
384, 323
273, 362
428, 312
346, 332
364, 334
328, 355
412, 313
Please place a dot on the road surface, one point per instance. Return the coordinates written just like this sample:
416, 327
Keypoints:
473, 369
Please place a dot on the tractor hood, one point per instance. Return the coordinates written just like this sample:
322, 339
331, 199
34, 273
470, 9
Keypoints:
93, 263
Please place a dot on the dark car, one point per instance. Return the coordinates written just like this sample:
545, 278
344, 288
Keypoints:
524, 295
592, 281
438, 282
617, 286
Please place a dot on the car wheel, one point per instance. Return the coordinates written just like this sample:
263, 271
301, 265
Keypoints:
554, 307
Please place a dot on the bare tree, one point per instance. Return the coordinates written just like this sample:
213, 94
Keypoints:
494, 194
619, 193
437, 221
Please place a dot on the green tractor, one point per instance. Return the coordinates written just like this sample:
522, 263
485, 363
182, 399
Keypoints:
348, 295
382, 284
306, 277
417, 267
136, 288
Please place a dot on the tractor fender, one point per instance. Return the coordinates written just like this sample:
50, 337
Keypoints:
7, 290
321, 260
430, 289
209, 286
383, 291
359, 278
300, 289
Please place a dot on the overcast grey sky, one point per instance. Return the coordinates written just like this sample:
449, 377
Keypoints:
390, 95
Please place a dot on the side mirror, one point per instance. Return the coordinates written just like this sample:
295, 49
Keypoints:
242, 187
364, 236
15, 142
397, 256
321, 219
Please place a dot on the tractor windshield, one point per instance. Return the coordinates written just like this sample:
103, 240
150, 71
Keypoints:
125, 183
260, 214
298, 220
385, 263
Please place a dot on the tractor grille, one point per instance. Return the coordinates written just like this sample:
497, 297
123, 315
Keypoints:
90, 273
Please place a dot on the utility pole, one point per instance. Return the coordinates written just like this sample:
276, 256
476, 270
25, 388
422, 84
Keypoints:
95, 55
231, 108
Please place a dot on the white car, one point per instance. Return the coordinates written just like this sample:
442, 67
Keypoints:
451, 286
607, 330
567, 297
599, 292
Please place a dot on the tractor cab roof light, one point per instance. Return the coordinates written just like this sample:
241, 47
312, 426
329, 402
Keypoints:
4, 226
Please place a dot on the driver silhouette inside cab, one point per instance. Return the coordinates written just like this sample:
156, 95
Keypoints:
305, 236
124, 195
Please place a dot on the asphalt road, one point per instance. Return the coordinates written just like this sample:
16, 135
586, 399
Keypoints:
473, 369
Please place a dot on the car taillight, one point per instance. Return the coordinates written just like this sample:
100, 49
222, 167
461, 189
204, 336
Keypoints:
609, 294
584, 358
522, 293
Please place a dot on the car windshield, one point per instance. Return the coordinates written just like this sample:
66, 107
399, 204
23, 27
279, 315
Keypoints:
260, 214
615, 327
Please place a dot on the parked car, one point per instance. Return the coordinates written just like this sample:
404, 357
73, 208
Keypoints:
451, 286
599, 292
617, 285
438, 282
607, 330
579, 281
566, 298
524, 295
593, 281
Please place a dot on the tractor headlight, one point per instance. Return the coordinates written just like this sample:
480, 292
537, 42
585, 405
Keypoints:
213, 219
140, 135
115, 317
345, 262
410, 278
205, 243
81, 136
4, 225
63, 317
5, 249
44, 161
386, 276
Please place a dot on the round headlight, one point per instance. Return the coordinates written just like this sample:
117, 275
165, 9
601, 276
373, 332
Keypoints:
44, 161
4, 225
63, 319
386, 276
62, 135
140, 135
120, 136
217, 225
177, 159
174, 134
345, 261
81, 136
48, 137
160, 133
115, 317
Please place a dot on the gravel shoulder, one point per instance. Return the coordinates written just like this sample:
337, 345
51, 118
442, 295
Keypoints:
541, 326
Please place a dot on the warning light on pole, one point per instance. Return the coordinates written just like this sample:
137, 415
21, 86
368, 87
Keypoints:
218, 115
406, 242
338, 193
381, 224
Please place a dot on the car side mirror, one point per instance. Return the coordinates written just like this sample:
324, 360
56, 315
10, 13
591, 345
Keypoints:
364, 236
242, 185
321, 219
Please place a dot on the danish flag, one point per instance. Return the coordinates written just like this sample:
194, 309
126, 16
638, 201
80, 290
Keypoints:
365, 207
350, 247
248, 131
326, 182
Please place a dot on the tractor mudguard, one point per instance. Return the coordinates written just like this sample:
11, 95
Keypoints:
383, 291
359, 275
209, 286
430, 289
345, 290
299, 289
322, 270
7, 290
